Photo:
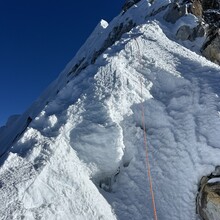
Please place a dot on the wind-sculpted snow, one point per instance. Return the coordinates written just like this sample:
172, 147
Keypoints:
83, 155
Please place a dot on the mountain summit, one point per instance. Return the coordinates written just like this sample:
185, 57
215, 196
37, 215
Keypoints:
137, 93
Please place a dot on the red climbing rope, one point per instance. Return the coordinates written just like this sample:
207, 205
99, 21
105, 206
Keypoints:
147, 158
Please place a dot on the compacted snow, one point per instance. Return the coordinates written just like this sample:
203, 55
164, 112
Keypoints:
82, 155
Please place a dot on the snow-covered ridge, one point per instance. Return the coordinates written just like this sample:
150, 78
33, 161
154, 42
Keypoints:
82, 155
103, 36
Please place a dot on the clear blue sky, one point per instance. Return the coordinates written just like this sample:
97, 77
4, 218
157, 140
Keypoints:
37, 39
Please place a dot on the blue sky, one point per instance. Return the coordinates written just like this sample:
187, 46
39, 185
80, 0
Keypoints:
38, 38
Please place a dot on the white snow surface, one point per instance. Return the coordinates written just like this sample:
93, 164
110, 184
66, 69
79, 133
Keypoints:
214, 180
89, 129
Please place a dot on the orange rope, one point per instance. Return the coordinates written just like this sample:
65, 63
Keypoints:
145, 145
147, 159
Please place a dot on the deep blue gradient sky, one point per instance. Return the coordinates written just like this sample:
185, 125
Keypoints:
37, 39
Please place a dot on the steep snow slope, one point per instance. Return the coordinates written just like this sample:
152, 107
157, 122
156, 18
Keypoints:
83, 155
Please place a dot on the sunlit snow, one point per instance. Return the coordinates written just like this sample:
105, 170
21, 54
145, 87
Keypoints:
82, 155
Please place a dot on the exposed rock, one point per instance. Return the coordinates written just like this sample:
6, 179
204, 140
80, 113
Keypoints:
210, 4
208, 199
128, 4
106, 182
115, 35
184, 33
209, 10
187, 33
208, 14
212, 17
76, 66
154, 12
199, 31
196, 8
212, 49
175, 11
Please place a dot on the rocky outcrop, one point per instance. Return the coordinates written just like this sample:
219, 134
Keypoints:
211, 15
208, 199
210, 4
211, 49
208, 24
196, 8
175, 12
128, 4
187, 33
113, 36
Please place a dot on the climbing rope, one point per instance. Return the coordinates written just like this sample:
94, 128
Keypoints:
145, 144
147, 157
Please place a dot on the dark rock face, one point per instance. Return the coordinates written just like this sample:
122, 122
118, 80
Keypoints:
128, 4
208, 14
175, 12
211, 16
196, 8
211, 12
187, 33
210, 4
208, 199
212, 49
115, 35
